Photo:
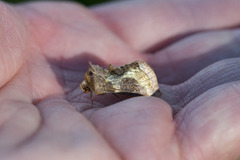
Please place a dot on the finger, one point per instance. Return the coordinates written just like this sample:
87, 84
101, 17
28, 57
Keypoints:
13, 42
208, 128
139, 128
74, 34
219, 73
18, 121
148, 25
65, 129
181, 60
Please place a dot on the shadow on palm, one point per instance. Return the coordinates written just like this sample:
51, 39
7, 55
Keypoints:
72, 74
73, 71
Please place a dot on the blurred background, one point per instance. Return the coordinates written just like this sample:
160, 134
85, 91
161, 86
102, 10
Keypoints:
84, 2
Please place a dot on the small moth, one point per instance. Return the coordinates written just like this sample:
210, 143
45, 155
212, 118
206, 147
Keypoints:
135, 78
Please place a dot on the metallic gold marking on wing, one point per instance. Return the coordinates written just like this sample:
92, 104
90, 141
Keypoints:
137, 77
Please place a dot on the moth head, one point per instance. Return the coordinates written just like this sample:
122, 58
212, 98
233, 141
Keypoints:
85, 86
87, 83
94, 79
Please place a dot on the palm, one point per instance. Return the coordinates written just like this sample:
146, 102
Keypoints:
55, 48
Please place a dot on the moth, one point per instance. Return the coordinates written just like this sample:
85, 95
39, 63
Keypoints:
134, 78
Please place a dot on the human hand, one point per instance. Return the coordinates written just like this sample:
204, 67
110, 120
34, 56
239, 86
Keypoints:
45, 48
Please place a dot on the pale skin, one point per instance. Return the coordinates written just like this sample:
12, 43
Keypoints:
45, 49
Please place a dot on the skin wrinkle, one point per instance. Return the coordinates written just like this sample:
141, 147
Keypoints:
181, 128
183, 138
11, 54
16, 30
209, 96
206, 79
20, 39
5, 20
207, 49
226, 106
4, 14
13, 44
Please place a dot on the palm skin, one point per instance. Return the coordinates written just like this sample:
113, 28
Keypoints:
45, 53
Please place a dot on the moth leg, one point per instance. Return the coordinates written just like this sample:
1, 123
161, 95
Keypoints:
91, 94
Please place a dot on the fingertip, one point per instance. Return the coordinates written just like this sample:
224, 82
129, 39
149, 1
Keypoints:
149, 103
212, 118
138, 125
138, 104
67, 126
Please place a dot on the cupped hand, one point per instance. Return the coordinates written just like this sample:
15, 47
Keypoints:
193, 47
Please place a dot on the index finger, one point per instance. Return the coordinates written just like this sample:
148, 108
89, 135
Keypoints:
152, 24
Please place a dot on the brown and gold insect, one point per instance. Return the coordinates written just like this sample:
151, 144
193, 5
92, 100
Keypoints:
136, 78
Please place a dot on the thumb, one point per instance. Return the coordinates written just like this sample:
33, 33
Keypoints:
12, 42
